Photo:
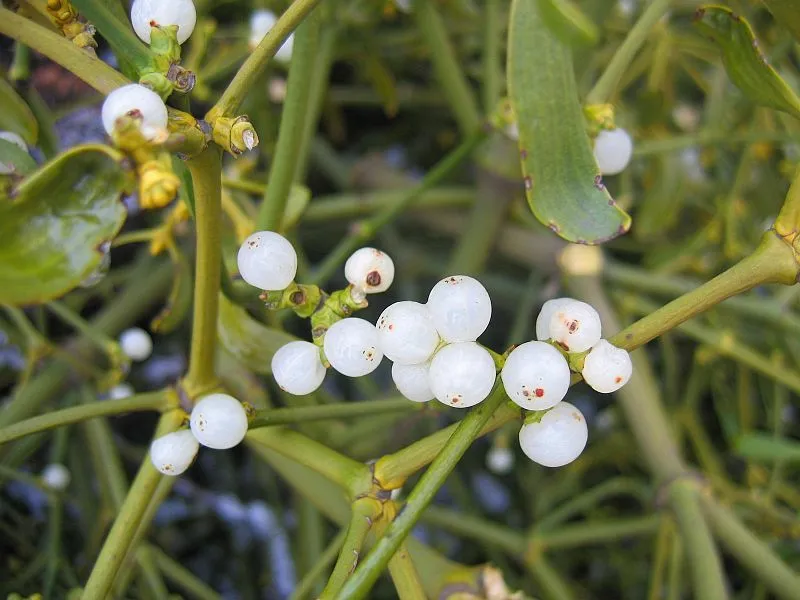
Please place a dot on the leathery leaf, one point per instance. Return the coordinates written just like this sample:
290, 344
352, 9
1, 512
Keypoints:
562, 181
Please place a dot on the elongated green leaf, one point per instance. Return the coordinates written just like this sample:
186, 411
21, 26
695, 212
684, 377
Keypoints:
15, 115
744, 62
562, 180
763, 447
250, 342
568, 22
15, 158
787, 13
52, 233
180, 296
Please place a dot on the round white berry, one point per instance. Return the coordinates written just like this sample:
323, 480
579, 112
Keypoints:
121, 391
535, 376
606, 367
576, 326
10, 136
461, 374
56, 476
403, 6
556, 440
549, 308
613, 150
267, 261
500, 460
460, 308
297, 368
412, 381
351, 346
173, 453
219, 421
406, 333
137, 101
136, 344
261, 21
145, 14
369, 270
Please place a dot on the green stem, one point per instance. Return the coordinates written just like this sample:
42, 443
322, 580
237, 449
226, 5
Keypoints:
254, 66
452, 80
480, 530
61, 51
602, 532
342, 410
120, 538
703, 557
623, 57
492, 72
548, 579
118, 33
365, 512
306, 586
206, 179
750, 551
468, 429
405, 577
158, 401
367, 229
709, 138
293, 124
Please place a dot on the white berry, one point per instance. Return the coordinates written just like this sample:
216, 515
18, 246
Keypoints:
535, 376
412, 381
137, 101
607, 368
219, 421
351, 346
173, 453
406, 333
121, 391
576, 326
500, 460
136, 344
460, 308
267, 261
297, 368
369, 270
145, 14
613, 150
549, 308
462, 374
556, 440
10, 136
261, 21
56, 476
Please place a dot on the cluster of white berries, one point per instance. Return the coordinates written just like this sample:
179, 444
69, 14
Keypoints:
218, 421
261, 21
613, 149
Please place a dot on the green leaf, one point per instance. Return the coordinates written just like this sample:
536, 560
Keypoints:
15, 157
562, 180
52, 233
250, 342
180, 296
787, 13
764, 447
15, 115
744, 62
568, 22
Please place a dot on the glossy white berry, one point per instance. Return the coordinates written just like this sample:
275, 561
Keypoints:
136, 344
351, 346
403, 6
369, 270
535, 376
556, 440
267, 261
56, 476
412, 381
137, 101
173, 453
297, 368
460, 308
406, 333
500, 460
218, 421
461, 374
10, 136
120, 391
613, 150
261, 21
145, 14
607, 368
543, 320
576, 326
